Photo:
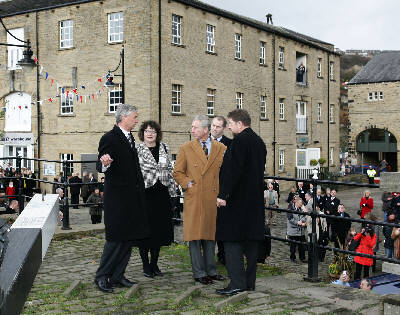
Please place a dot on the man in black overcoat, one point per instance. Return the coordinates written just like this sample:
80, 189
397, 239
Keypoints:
75, 189
125, 218
331, 208
218, 127
240, 202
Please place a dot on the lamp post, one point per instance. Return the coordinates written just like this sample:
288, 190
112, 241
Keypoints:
111, 74
26, 63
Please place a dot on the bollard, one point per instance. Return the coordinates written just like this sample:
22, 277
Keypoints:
313, 258
65, 202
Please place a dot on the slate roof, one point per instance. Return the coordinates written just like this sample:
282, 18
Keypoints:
16, 7
384, 67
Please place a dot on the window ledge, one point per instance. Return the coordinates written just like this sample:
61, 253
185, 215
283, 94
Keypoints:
333, 80
320, 77
282, 120
239, 59
66, 48
66, 115
264, 119
301, 84
211, 116
211, 53
177, 114
281, 68
109, 114
178, 45
319, 121
332, 122
116, 43
263, 65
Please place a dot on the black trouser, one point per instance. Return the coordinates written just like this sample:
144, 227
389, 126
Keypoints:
75, 200
301, 248
357, 275
221, 252
114, 261
96, 218
371, 180
144, 255
241, 278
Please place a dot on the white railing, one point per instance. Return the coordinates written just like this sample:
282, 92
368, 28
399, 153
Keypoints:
304, 172
301, 124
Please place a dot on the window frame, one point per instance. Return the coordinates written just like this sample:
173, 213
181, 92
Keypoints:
262, 53
331, 113
238, 46
14, 53
109, 18
67, 157
380, 95
176, 38
177, 89
281, 57
319, 111
319, 68
70, 29
239, 100
281, 109
370, 96
281, 160
331, 152
210, 100
117, 89
331, 66
263, 107
70, 105
210, 38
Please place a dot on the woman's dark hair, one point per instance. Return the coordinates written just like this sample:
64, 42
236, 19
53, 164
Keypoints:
152, 124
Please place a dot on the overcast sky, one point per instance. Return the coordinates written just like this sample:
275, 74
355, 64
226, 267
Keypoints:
348, 24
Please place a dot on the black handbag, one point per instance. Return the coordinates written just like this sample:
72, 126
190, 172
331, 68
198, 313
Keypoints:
4, 229
353, 245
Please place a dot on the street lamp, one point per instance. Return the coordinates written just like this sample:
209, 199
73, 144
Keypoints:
26, 63
111, 74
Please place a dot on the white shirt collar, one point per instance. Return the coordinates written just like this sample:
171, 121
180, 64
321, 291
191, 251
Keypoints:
218, 139
126, 133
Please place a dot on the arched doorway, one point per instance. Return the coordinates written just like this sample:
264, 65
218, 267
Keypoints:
376, 144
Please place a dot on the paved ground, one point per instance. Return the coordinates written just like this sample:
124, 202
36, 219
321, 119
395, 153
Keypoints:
280, 286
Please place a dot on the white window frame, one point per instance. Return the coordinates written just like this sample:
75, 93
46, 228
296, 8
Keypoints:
262, 53
281, 56
319, 111
331, 113
66, 34
301, 117
115, 98
281, 109
116, 27
281, 161
381, 95
370, 96
18, 150
263, 107
210, 102
238, 46
376, 96
239, 100
66, 105
319, 68
15, 54
176, 103
331, 152
176, 29
67, 157
331, 76
210, 38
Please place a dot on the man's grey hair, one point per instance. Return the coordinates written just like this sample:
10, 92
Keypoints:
204, 121
124, 110
58, 190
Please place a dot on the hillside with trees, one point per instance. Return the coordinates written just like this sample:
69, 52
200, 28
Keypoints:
350, 65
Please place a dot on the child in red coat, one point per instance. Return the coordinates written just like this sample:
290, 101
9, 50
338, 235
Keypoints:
10, 190
366, 204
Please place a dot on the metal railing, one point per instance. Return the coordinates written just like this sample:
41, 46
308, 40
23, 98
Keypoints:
312, 245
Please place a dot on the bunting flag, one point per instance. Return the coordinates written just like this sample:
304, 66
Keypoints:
83, 87
47, 75
52, 80
81, 98
50, 99
74, 90
62, 90
67, 93
36, 61
99, 79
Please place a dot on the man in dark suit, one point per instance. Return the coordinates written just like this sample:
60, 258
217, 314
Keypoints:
240, 202
340, 228
75, 189
218, 127
125, 219
331, 208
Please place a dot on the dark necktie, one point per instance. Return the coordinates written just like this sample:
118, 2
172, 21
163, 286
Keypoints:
205, 149
129, 137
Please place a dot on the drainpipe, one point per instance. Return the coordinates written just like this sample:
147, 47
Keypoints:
329, 108
38, 94
274, 98
159, 62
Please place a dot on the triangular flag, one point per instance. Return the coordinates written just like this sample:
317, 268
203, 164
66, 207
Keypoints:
47, 75
99, 79
92, 95
74, 90
67, 93
62, 90
41, 70
83, 87
19, 106
85, 99
77, 97
50, 100
52, 80
36, 61
81, 98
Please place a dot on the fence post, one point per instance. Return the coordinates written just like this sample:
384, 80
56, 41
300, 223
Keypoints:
20, 185
313, 258
65, 204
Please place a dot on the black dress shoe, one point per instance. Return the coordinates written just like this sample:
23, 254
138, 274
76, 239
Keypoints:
216, 278
103, 285
123, 283
157, 272
203, 280
147, 272
228, 291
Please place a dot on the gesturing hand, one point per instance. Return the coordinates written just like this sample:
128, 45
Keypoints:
221, 202
106, 160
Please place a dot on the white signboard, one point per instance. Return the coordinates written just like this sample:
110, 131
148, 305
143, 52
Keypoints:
49, 169
16, 139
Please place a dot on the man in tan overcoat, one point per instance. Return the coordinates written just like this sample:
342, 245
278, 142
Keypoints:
197, 172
